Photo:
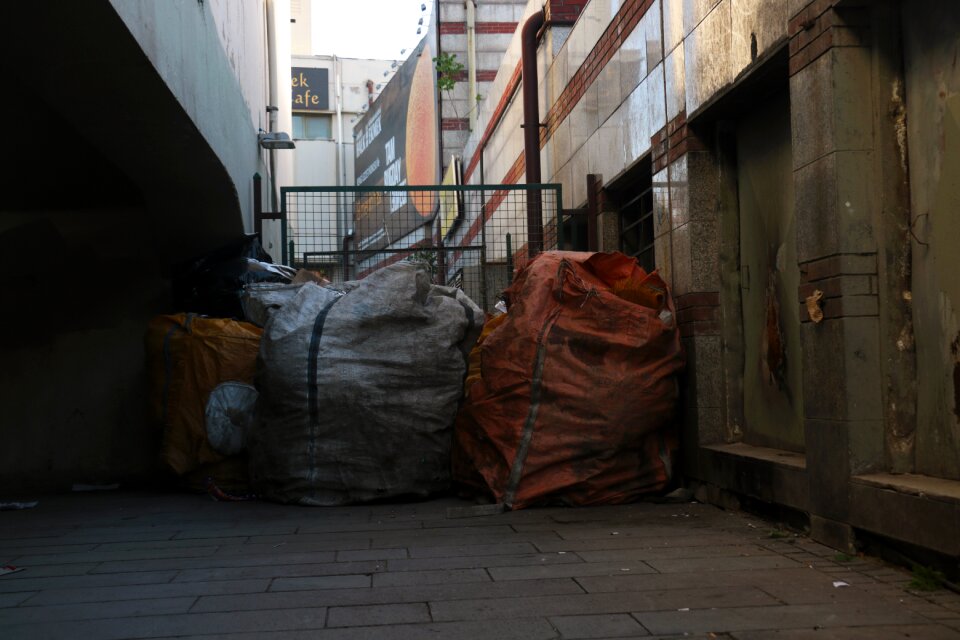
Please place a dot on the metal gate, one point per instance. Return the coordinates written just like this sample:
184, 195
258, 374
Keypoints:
473, 237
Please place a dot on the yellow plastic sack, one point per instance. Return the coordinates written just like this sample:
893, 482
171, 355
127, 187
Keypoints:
187, 357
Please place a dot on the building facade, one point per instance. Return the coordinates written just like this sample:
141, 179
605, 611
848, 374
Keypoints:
788, 167
329, 94
476, 33
134, 150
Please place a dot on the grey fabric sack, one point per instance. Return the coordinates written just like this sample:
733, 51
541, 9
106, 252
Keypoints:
359, 391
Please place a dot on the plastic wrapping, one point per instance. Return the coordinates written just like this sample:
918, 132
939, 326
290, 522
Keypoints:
229, 414
574, 390
358, 392
213, 285
187, 358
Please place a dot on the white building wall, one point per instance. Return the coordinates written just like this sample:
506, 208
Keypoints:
315, 163
219, 70
457, 104
301, 16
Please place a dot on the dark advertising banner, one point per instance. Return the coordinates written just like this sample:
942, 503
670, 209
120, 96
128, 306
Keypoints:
395, 145
311, 89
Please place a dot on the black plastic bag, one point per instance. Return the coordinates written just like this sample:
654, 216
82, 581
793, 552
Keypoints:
213, 284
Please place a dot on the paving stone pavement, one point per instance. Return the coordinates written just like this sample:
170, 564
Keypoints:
144, 565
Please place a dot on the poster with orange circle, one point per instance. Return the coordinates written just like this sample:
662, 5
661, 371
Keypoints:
395, 144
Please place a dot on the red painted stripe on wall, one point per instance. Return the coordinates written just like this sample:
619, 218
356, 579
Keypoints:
455, 124
483, 75
459, 28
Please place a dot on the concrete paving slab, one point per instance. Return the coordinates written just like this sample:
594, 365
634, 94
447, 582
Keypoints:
413, 578
818, 616
616, 625
382, 614
14, 598
76, 583
573, 570
895, 632
269, 570
296, 595
213, 561
92, 611
473, 562
498, 629
584, 604
158, 626
137, 565
169, 590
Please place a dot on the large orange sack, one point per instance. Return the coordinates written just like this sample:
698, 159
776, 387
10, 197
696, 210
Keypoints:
577, 388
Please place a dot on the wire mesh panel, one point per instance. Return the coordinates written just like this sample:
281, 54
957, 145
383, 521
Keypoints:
473, 237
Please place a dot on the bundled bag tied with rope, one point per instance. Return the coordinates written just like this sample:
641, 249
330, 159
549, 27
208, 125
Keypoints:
202, 396
572, 393
359, 390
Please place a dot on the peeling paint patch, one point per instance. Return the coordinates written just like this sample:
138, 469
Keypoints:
898, 112
956, 390
905, 339
954, 349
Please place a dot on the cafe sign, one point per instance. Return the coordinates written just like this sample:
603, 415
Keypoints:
311, 89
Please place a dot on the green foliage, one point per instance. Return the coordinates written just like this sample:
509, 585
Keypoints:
428, 258
842, 557
926, 579
448, 69
778, 533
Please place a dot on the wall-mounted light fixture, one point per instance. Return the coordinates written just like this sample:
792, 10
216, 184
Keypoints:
275, 140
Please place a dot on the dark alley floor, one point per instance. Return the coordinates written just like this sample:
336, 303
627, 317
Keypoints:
139, 565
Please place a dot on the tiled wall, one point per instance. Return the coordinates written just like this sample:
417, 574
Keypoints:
625, 82
625, 70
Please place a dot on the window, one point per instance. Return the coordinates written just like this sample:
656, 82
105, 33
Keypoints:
636, 229
312, 126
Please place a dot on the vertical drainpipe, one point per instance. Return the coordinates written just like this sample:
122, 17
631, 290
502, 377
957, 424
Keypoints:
531, 129
342, 224
338, 78
274, 90
472, 103
438, 24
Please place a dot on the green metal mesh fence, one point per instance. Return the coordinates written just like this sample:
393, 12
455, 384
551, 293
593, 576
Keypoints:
473, 237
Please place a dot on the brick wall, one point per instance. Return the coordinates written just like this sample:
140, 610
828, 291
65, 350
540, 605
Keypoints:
820, 27
456, 28
619, 28
565, 10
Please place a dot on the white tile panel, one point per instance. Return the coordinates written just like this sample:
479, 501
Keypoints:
612, 155
707, 57
633, 59
452, 12
676, 96
561, 143
760, 20
609, 92
694, 11
653, 36
578, 178
672, 23
584, 118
